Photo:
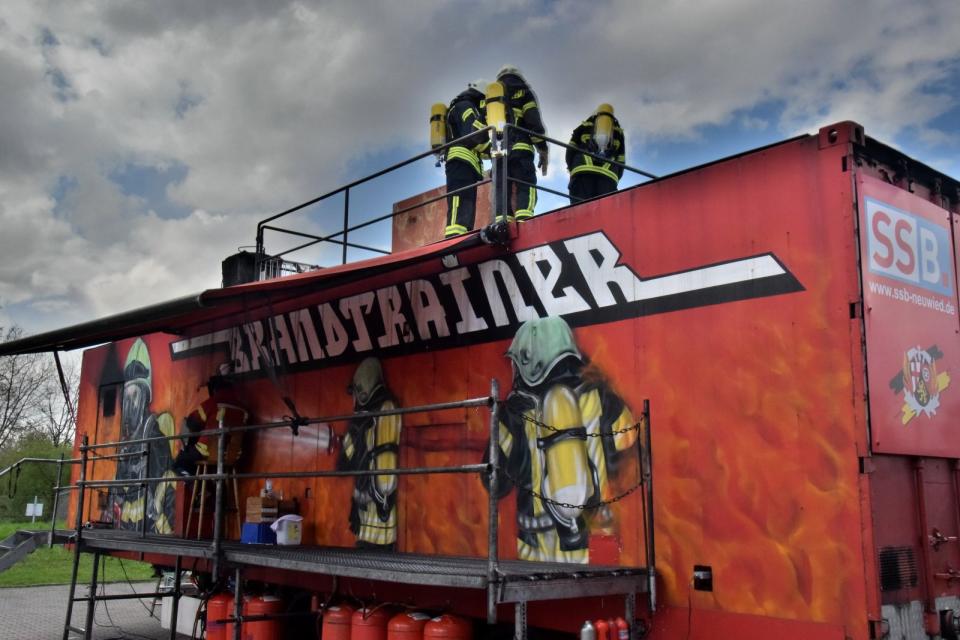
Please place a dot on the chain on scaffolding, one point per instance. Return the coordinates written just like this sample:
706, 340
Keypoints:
614, 432
566, 505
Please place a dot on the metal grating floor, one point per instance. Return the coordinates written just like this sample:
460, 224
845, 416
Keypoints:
516, 581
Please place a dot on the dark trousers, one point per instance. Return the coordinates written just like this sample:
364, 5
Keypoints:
520, 167
461, 207
586, 185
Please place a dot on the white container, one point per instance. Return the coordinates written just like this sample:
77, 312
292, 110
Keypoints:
289, 529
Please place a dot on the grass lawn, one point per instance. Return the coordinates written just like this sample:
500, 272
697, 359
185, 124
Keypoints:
53, 566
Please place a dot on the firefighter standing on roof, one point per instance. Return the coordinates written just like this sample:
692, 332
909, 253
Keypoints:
372, 443
563, 431
523, 111
463, 161
600, 134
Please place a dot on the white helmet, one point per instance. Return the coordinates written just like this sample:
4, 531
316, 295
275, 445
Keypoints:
509, 70
478, 84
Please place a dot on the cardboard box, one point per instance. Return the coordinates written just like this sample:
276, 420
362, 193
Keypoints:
261, 509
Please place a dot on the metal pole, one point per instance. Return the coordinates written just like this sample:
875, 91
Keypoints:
647, 469
143, 495
493, 516
76, 541
218, 502
92, 602
56, 503
174, 610
346, 221
237, 604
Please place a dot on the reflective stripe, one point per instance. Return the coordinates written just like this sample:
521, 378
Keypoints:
521, 146
525, 214
454, 209
591, 168
466, 114
455, 230
462, 153
501, 218
529, 105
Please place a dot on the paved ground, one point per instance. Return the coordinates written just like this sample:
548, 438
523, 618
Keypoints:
37, 613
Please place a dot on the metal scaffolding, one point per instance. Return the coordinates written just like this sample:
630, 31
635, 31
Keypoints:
505, 581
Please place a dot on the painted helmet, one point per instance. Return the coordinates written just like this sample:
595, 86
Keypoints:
367, 380
137, 366
539, 345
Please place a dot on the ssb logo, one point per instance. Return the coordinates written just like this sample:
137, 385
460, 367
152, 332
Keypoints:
908, 248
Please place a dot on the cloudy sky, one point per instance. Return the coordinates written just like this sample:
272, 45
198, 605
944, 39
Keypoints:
141, 141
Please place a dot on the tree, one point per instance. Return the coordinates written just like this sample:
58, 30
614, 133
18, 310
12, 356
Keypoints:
38, 480
55, 418
22, 379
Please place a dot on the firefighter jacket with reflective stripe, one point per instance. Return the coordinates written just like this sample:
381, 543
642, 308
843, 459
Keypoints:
523, 111
466, 116
582, 138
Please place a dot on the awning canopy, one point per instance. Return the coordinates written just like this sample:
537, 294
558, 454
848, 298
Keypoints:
179, 315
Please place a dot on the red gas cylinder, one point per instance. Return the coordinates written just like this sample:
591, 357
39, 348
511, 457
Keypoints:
336, 622
369, 624
262, 629
219, 607
623, 629
407, 626
603, 629
449, 628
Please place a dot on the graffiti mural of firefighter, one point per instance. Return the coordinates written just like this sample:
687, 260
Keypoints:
372, 443
562, 432
137, 421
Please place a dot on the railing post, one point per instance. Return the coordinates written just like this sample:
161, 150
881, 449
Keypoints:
56, 503
144, 492
493, 516
92, 602
346, 221
175, 608
76, 541
218, 502
237, 604
646, 468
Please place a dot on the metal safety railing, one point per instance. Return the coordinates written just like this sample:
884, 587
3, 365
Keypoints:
490, 469
501, 181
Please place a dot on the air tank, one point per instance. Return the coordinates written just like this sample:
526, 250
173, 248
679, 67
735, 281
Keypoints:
438, 125
496, 107
603, 128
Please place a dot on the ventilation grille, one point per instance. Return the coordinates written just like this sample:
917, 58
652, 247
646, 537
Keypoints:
898, 568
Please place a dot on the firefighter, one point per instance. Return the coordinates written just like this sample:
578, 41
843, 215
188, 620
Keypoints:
559, 441
137, 421
590, 177
523, 111
464, 165
220, 405
372, 443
